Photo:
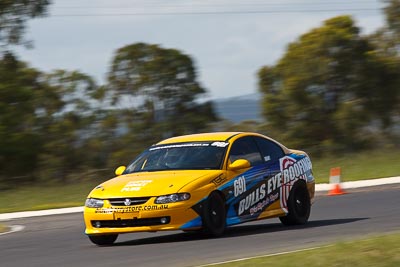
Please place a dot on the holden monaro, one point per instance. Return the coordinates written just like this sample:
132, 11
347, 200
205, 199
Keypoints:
202, 182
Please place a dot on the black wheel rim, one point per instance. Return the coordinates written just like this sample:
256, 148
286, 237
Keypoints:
301, 205
215, 214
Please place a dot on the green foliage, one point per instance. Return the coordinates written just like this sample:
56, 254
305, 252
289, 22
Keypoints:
329, 89
334, 89
162, 84
19, 140
65, 120
56, 126
13, 17
152, 71
43, 118
155, 95
392, 11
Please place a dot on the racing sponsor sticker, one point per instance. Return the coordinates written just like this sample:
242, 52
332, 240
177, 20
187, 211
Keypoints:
179, 145
256, 199
239, 186
132, 209
135, 185
265, 203
219, 180
220, 144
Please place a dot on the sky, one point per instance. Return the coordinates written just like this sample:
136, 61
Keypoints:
228, 40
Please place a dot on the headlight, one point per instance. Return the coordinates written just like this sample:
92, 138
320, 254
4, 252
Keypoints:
172, 198
94, 203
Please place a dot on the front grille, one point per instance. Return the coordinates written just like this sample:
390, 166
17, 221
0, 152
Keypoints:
130, 222
132, 201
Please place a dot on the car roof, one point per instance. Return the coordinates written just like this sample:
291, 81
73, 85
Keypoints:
217, 136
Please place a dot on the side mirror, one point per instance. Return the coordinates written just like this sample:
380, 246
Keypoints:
239, 164
120, 170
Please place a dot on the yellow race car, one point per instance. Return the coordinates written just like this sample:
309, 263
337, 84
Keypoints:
202, 182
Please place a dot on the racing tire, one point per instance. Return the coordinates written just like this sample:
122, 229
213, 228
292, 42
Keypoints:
299, 206
214, 215
103, 240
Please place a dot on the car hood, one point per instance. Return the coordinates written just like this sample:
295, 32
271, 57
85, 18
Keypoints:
150, 183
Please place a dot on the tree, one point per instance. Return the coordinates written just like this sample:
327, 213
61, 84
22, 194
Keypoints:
13, 17
19, 140
56, 126
19, 84
327, 88
69, 126
392, 12
47, 123
385, 69
162, 85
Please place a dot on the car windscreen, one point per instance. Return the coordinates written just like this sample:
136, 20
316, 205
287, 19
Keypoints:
180, 156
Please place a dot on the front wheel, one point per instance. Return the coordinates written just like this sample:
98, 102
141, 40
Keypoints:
299, 205
214, 215
103, 240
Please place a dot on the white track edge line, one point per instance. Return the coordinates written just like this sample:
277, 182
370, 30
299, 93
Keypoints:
264, 256
13, 229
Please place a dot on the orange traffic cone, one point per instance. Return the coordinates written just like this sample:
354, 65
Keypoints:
334, 179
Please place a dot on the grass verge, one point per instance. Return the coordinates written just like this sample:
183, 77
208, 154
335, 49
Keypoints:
361, 166
382, 251
365, 165
45, 197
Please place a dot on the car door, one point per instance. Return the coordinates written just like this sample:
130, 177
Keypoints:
255, 190
283, 171
246, 188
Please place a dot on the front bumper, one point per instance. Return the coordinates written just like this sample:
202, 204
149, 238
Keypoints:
141, 218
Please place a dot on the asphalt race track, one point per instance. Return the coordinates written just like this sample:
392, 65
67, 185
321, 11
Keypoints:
59, 240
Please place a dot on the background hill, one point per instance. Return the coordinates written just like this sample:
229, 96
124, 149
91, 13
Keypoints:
239, 108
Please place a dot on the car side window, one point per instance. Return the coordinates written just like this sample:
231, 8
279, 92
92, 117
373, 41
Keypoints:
270, 151
245, 148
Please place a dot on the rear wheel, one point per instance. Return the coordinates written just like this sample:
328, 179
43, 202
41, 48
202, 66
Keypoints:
299, 205
103, 240
214, 215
